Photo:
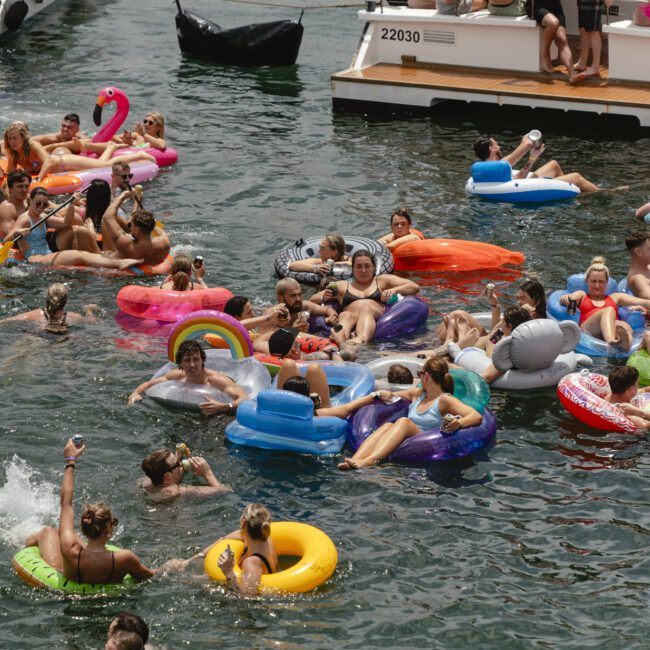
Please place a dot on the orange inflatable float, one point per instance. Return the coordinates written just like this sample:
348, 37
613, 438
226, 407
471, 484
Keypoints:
452, 255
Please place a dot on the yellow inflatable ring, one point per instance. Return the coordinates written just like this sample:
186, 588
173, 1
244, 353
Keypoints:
317, 553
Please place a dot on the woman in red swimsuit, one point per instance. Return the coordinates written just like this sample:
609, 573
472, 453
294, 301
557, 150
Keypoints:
599, 312
363, 298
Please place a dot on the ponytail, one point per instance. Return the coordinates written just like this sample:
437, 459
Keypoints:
438, 370
181, 281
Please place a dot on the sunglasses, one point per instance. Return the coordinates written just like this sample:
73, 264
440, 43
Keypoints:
41, 204
125, 176
171, 469
148, 122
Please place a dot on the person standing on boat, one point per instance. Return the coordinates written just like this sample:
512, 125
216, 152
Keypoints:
487, 148
550, 16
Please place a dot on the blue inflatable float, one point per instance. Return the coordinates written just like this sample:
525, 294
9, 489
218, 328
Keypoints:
492, 180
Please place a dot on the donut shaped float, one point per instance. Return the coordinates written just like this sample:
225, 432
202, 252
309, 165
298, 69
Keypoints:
590, 344
304, 249
199, 323
248, 373
427, 446
316, 552
168, 305
36, 572
452, 255
536, 355
641, 361
492, 180
583, 395
285, 421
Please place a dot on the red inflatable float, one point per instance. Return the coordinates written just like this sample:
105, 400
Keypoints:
452, 255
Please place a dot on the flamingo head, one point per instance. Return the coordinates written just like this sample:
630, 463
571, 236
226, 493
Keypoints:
106, 96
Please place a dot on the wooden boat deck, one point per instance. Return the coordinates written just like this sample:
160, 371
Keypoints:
596, 90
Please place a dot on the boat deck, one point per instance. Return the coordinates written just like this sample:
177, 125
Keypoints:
500, 84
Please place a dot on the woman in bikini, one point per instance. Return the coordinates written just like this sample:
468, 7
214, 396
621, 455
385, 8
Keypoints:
259, 557
363, 298
429, 405
24, 152
88, 562
599, 312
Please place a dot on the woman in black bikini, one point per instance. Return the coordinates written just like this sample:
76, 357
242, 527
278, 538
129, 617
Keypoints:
90, 563
259, 556
363, 298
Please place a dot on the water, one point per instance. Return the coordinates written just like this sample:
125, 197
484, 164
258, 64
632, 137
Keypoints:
539, 542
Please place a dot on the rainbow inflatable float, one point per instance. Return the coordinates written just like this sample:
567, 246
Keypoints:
203, 322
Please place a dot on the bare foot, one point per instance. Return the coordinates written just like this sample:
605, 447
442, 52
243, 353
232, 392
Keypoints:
346, 465
623, 338
591, 71
126, 263
547, 65
338, 338
579, 67
577, 77
620, 188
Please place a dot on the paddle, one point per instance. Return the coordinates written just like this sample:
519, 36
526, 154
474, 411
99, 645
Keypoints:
6, 247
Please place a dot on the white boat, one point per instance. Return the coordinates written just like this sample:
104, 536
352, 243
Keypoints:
414, 58
15, 13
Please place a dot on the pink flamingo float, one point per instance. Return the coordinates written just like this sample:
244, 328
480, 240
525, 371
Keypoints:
109, 95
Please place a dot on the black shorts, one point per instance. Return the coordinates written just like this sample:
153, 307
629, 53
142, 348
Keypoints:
589, 15
544, 7
50, 238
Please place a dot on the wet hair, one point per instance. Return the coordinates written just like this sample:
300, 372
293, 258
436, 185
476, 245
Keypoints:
401, 212
16, 177
123, 640
72, 117
144, 220
181, 272
636, 239
120, 168
335, 241
284, 285
438, 370
597, 264
189, 346
95, 518
536, 291
621, 378
399, 374
515, 316
364, 252
257, 520
22, 129
129, 622
159, 121
156, 465
298, 385
482, 146
56, 298
38, 191
235, 306
98, 199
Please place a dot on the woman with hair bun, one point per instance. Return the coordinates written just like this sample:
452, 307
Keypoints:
599, 312
259, 557
430, 403
180, 276
88, 562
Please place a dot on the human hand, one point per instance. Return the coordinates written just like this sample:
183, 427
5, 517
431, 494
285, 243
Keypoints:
525, 140
564, 300
174, 566
72, 451
138, 127
199, 465
450, 425
332, 317
134, 397
529, 308
212, 407
491, 294
643, 310
126, 194
386, 396
301, 324
386, 294
537, 151
226, 562
127, 137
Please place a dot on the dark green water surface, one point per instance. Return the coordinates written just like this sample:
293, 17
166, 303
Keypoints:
540, 542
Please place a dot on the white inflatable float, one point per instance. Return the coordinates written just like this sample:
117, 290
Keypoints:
492, 180
537, 354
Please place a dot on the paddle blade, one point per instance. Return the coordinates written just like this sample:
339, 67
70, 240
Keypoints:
4, 251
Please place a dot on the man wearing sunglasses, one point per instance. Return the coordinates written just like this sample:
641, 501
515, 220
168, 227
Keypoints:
67, 136
165, 474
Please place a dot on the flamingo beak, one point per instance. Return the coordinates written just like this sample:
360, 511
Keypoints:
97, 113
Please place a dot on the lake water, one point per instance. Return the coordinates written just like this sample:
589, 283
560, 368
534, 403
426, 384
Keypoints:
540, 542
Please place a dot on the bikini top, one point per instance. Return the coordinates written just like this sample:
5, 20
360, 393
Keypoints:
430, 419
261, 557
349, 298
110, 575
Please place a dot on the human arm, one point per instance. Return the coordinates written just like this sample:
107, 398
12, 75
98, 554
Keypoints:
469, 417
392, 245
576, 295
37, 150
112, 228
131, 563
252, 570
331, 315
626, 300
344, 410
139, 392
534, 154
633, 411
523, 147
326, 295
156, 143
642, 211
491, 373
67, 534
311, 265
231, 389
199, 466
390, 285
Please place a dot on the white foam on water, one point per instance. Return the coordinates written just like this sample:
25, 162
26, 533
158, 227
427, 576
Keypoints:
26, 502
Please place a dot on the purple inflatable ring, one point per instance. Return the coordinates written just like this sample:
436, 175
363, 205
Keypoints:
427, 446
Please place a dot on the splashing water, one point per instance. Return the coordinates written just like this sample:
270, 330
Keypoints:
26, 503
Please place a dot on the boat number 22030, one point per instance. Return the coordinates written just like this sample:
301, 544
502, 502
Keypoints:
391, 34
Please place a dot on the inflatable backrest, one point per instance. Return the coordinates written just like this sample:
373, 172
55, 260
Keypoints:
286, 404
571, 335
576, 282
491, 171
532, 346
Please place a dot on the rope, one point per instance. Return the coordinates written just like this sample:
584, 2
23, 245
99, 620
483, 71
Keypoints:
297, 6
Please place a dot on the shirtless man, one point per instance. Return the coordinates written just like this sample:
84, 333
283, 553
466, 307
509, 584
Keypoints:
638, 275
142, 243
165, 473
624, 384
190, 359
16, 203
67, 135
487, 148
